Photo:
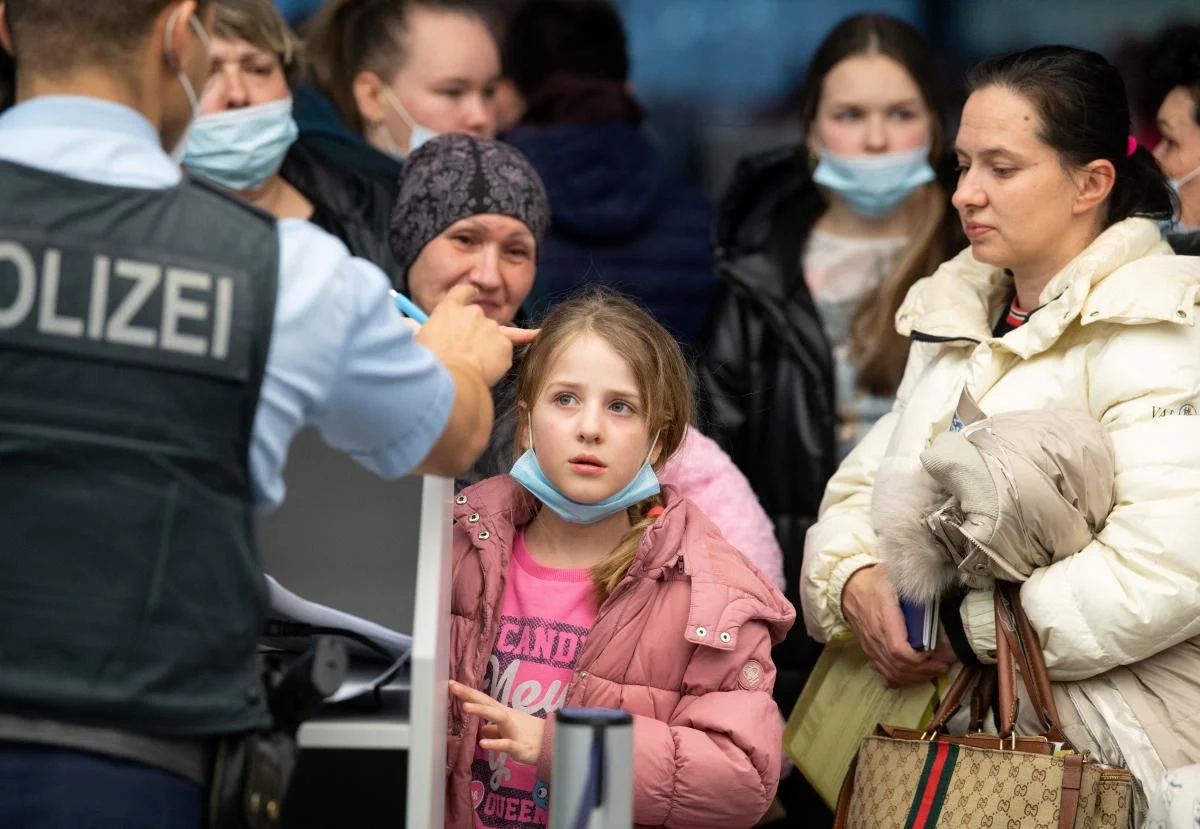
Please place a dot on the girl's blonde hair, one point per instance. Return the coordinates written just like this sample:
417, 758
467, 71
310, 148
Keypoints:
663, 383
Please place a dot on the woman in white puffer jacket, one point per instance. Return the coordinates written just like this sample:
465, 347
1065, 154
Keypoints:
1067, 299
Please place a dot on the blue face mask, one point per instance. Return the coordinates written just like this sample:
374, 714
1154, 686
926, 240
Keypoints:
242, 148
528, 473
874, 185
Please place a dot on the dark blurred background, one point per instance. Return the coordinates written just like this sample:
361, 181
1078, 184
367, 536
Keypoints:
721, 77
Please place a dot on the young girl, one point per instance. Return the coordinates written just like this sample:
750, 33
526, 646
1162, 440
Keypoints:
578, 581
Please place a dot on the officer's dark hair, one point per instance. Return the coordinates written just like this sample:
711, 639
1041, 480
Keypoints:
549, 38
1175, 62
8, 80
349, 36
1080, 100
54, 37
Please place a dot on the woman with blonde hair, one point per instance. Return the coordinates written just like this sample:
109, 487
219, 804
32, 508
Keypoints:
247, 140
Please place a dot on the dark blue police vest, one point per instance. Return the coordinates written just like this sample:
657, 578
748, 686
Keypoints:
134, 327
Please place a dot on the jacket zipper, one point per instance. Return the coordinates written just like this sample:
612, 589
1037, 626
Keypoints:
460, 721
922, 337
605, 609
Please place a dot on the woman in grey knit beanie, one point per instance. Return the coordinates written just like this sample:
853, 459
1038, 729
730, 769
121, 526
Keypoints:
469, 210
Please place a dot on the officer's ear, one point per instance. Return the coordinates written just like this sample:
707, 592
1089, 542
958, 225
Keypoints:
175, 29
5, 34
368, 97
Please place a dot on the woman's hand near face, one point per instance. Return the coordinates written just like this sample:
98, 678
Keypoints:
872, 608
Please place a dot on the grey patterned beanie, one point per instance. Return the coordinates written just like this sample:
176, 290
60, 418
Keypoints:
455, 176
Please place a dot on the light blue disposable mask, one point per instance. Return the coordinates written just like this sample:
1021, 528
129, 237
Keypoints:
528, 473
1177, 183
418, 134
242, 148
1173, 224
874, 185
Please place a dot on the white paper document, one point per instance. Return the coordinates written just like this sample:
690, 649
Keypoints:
287, 606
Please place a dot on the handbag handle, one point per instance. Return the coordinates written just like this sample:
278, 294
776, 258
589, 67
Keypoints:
984, 680
953, 700
1017, 644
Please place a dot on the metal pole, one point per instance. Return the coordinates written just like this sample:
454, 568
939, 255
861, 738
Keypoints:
592, 782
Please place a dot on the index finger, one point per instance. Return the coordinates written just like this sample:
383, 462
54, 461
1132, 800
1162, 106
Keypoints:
464, 293
519, 336
468, 694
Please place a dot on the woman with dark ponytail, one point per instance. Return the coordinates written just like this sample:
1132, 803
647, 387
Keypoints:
1068, 299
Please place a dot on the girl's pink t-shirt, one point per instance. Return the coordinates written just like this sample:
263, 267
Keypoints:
545, 619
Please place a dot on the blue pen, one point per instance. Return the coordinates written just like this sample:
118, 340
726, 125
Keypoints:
408, 307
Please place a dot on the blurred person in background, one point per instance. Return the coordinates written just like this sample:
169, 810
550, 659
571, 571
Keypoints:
817, 245
474, 211
398, 72
295, 12
622, 216
245, 138
1175, 77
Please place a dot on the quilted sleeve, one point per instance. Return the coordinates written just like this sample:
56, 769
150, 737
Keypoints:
715, 763
1135, 590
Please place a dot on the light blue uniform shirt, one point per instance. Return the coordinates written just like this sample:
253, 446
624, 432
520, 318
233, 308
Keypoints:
341, 358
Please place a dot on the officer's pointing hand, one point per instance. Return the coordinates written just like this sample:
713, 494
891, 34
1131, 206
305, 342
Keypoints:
458, 331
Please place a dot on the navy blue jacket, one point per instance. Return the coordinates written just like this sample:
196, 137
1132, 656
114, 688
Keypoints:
623, 218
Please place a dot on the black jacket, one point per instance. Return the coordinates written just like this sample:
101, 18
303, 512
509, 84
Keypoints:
621, 217
767, 376
1185, 242
354, 204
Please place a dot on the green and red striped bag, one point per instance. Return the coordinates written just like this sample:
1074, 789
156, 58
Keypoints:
905, 779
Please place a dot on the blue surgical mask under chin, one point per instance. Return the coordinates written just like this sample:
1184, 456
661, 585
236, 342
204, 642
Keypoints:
242, 148
528, 473
874, 185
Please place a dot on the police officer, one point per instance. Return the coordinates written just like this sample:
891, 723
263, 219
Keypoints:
160, 345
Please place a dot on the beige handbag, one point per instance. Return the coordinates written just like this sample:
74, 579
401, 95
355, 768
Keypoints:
907, 779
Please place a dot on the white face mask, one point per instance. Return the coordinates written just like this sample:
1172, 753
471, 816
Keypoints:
1177, 183
417, 134
180, 148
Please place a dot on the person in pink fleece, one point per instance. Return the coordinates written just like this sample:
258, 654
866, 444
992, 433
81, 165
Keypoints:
705, 474
491, 242
580, 581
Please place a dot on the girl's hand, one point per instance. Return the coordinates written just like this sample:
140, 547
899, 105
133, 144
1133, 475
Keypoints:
517, 734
